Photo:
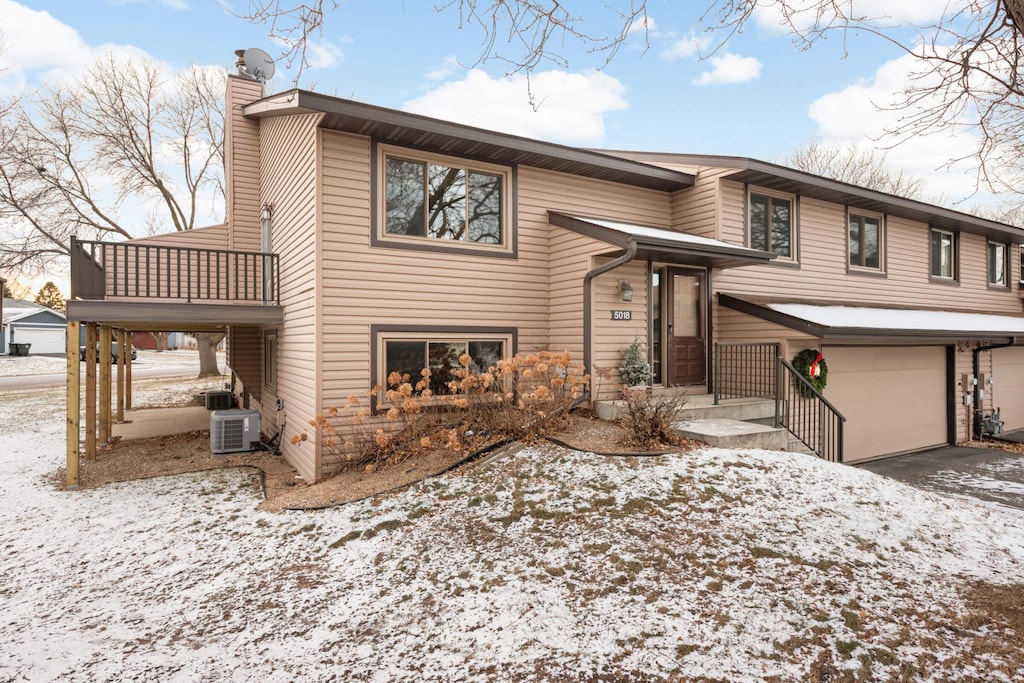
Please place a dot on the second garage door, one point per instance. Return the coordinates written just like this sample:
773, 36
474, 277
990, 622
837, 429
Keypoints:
42, 340
1008, 385
894, 398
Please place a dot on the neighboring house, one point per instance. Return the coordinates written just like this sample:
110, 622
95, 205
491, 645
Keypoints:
360, 240
26, 322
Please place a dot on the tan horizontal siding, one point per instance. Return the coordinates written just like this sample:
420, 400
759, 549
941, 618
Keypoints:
242, 165
209, 237
696, 210
822, 274
288, 175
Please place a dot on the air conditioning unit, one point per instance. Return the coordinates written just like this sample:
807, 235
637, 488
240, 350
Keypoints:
219, 400
233, 431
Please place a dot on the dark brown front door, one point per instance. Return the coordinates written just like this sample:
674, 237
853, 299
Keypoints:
687, 360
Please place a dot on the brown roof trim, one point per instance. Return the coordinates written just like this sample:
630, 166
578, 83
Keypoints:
711, 255
414, 130
774, 176
827, 332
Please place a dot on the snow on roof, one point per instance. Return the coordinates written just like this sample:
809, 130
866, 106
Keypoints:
658, 233
901, 319
15, 309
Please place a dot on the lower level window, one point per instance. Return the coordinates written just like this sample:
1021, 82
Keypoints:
409, 353
270, 359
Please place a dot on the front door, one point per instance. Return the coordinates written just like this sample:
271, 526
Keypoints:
686, 354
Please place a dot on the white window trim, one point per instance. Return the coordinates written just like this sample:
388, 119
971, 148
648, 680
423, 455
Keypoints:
505, 172
794, 248
955, 242
882, 233
1005, 284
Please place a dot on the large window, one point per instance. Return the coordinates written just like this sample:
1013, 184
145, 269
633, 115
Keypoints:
444, 201
866, 240
771, 223
408, 353
998, 264
943, 255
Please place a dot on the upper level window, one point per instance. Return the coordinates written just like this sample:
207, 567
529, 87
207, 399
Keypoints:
771, 223
997, 264
865, 241
943, 254
444, 201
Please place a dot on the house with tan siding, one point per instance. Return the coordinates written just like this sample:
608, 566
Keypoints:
360, 239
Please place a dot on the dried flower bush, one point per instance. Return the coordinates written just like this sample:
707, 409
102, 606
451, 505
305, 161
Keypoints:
511, 399
649, 419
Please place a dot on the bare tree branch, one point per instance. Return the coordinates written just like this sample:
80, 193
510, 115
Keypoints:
523, 34
76, 153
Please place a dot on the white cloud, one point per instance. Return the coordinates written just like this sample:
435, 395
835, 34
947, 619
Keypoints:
570, 106
35, 40
863, 112
730, 68
883, 12
643, 24
689, 46
323, 54
448, 66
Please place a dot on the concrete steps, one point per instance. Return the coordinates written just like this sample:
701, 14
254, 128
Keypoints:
734, 423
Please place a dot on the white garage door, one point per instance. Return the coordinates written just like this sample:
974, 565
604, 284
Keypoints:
42, 341
894, 399
1008, 385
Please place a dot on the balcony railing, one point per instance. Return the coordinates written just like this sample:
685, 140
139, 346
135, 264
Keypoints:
126, 270
745, 371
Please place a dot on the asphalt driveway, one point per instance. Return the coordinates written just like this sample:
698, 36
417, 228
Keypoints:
988, 475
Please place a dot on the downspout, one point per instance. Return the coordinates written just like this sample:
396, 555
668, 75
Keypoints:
975, 367
587, 296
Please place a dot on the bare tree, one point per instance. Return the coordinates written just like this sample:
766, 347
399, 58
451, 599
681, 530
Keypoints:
849, 164
71, 157
77, 153
967, 75
523, 34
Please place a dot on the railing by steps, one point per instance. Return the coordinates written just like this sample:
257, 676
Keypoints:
808, 415
745, 371
758, 371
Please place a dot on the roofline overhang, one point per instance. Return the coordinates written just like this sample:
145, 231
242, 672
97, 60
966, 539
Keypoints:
711, 255
359, 115
751, 170
834, 332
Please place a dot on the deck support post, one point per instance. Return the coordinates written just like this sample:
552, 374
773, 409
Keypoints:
121, 336
73, 402
104, 363
128, 373
91, 339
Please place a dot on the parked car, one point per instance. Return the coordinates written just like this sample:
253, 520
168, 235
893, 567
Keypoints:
113, 353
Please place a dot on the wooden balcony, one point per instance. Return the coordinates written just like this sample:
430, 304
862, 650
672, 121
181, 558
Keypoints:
150, 286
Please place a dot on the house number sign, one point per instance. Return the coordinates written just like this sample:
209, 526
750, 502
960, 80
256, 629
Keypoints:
622, 315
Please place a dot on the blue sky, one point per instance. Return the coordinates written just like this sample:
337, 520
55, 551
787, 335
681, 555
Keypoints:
758, 97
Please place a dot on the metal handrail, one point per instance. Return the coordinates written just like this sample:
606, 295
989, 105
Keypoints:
745, 370
125, 269
807, 415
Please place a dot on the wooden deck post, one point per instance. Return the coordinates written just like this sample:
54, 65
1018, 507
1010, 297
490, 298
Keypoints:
74, 406
91, 337
121, 336
104, 363
128, 374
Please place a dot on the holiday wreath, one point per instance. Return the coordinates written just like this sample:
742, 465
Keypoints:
811, 364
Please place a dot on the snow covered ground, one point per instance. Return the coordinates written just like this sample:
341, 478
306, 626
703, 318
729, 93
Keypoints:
547, 565
17, 366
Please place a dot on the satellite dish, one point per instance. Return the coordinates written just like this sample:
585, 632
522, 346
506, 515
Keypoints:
258, 64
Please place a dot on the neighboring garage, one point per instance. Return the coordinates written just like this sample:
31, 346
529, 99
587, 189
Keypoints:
1008, 385
25, 322
894, 398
